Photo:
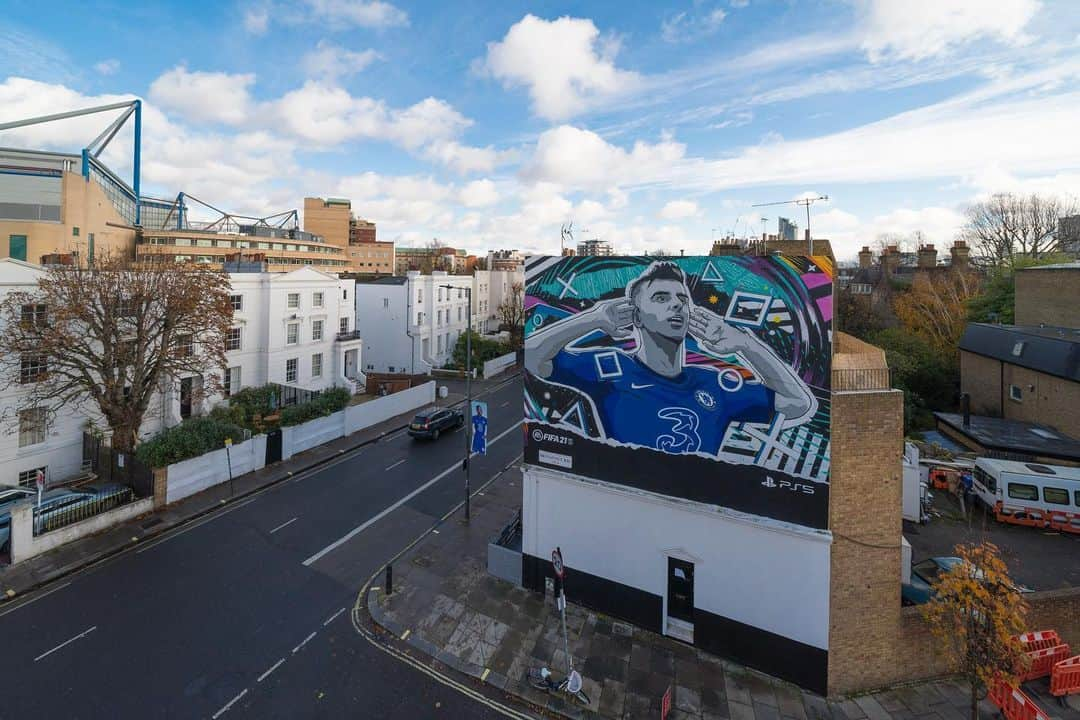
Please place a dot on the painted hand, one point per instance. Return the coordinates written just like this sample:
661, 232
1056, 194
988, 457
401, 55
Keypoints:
616, 318
712, 330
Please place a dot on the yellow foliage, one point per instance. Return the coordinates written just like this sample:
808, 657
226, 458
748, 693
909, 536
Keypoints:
935, 308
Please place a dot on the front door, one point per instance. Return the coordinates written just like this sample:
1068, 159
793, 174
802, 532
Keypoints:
185, 398
350, 364
17, 247
680, 599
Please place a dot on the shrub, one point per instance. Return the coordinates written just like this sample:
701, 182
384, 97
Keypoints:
191, 438
328, 403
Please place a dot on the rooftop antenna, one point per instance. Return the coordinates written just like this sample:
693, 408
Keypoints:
805, 202
566, 234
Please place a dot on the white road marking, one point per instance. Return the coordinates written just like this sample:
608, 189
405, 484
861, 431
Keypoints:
273, 667
333, 617
303, 643
83, 634
357, 530
395, 464
284, 524
505, 404
35, 599
195, 525
228, 705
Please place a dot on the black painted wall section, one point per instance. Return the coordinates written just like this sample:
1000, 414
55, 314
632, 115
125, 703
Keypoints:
802, 664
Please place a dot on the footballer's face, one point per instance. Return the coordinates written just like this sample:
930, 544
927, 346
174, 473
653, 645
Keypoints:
662, 307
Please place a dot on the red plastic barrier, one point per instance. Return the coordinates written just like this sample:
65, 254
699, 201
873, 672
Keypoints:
1014, 703
1039, 640
1065, 677
1043, 661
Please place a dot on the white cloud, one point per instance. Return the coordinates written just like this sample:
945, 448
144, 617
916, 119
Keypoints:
465, 159
919, 29
847, 233
204, 96
565, 64
680, 210
256, 20
430, 119
479, 193
739, 3
329, 62
107, 67
582, 159
690, 27
361, 13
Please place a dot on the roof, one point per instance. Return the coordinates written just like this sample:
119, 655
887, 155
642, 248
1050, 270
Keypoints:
1014, 436
1036, 469
385, 280
1057, 266
1051, 350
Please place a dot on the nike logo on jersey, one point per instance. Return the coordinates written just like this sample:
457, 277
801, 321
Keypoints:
635, 386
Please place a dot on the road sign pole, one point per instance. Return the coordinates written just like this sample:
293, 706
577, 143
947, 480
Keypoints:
560, 571
468, 398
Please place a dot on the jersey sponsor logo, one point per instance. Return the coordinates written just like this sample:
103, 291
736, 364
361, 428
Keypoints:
635, 386
683, 437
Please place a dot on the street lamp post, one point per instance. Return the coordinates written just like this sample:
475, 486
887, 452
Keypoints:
468, 394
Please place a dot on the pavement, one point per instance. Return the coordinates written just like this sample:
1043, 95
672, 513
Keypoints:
447, 612
241, 609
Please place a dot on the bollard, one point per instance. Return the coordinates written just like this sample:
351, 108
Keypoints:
389, 579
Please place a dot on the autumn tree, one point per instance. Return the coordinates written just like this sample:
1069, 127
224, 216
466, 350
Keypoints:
114, 336
936, 307
511, 314
1006, 226
975, 614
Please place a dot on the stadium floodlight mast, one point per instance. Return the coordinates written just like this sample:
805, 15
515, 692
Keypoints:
468, 391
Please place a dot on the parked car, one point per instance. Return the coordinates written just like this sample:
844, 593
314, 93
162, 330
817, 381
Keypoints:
430, 423
63, 506
11, 495
923, 576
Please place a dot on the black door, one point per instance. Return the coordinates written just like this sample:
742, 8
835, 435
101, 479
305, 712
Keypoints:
185, 398
273, 446
680, 590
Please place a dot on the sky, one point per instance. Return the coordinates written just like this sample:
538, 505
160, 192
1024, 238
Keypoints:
654, 125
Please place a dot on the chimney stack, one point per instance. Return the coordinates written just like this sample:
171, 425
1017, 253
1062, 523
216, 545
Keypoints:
890, 259
927, 257
959, 254
866, 258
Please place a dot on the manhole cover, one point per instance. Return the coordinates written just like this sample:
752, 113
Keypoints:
151, 523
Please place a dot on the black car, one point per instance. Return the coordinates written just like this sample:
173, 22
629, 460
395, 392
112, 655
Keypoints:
432, 422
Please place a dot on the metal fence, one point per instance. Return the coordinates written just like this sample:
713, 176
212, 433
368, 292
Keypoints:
111, 466
853, 380
290, 395
76, 505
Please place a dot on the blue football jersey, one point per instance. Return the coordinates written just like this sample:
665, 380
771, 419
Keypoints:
684, 414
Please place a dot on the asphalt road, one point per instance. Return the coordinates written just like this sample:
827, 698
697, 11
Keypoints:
245, 613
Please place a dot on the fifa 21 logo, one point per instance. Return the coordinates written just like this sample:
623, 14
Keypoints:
770, 483
540, 436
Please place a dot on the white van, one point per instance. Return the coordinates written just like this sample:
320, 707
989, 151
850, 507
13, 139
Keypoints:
1032, 494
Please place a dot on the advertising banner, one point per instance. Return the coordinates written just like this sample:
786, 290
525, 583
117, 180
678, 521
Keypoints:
702, 378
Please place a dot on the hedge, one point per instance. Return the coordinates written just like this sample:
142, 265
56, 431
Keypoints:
328, 403
191, 438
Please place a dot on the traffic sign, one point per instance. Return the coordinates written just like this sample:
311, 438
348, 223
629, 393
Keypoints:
556, 562
228, 442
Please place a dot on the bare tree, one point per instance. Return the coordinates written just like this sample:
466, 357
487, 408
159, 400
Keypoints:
511, 313
1006, 226
113, 335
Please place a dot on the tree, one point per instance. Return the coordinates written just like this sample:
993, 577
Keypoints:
935, 308
1006, 226
997, 302
114, 335
511, 314
483, 349
928, 380
976, 613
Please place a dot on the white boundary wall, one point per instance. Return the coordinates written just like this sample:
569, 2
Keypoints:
497, 365
298, 438
198, 473
24, 545
374, 412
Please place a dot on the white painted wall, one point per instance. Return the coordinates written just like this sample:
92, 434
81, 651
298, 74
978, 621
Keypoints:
382, 317
24, 545
755, 571
497, 365
298, 438
196, 474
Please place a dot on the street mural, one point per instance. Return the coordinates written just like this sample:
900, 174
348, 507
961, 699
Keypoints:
705, 378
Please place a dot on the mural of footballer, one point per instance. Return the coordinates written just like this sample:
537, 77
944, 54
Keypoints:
651, 397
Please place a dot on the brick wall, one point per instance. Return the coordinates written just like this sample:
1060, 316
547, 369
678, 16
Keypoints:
1047, 296
864, 516
980, 377
1044, 399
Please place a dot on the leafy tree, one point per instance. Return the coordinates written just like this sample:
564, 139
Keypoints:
975, 614
936, 307
858, 315
511, 314
928, 379
114, 334
483, 349
997, 303
1006, 226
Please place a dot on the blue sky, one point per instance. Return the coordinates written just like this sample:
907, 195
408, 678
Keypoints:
488, 125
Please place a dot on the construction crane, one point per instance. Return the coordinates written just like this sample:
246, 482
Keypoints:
805, 202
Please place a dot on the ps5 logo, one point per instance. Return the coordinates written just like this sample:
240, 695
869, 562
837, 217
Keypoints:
769, 482
540, 436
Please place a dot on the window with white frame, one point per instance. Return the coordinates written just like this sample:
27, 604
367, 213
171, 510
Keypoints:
33, 314
28, 478
1016, 393
32, 368
440, 345
294, 300
316, 365
419, 295
316, 330
386, 302
292, 333
317, 299
438, 320
237, 302
290, 370
232, 341
231, 381
31, 426
419, 318
440, 294
343, 325
459, 313
185, 345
